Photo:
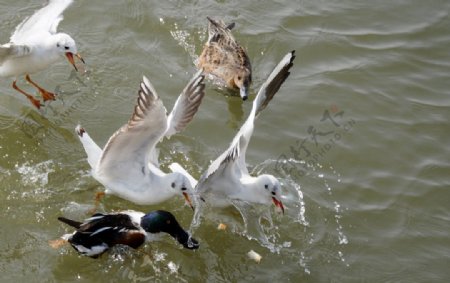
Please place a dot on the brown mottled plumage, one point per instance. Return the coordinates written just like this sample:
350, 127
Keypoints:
224, 58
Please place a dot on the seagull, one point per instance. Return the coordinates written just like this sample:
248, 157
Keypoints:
128, 165
102, 231
224, 58
227, 178
35, 45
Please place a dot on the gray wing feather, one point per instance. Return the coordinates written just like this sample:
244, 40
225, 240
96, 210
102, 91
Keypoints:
132, 145
186, 105
274, 82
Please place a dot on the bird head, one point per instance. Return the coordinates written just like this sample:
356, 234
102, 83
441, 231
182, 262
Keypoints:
163, 221
67, 46
271, 188
242, 79
181, 185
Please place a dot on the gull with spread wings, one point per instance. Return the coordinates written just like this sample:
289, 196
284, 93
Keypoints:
35, 45
128, 165
227, 178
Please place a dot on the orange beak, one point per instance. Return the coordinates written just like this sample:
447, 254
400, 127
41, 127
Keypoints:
188, 200
278, 203
69, 56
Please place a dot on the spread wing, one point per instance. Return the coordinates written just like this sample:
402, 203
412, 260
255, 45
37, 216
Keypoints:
273, 82
12, 50
45, 19
129, 150
234, 157
186, 105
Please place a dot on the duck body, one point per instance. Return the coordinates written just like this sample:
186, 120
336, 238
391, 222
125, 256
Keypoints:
225, 59
102, 231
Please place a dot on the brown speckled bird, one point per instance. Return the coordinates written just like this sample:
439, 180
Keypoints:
224, 58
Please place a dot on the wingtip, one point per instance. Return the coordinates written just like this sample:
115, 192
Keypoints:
145, 79
200, 73
147, 88
80, 131
291, 56
146, 82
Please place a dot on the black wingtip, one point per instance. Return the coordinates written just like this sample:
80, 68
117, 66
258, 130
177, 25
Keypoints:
80, 131
293, 56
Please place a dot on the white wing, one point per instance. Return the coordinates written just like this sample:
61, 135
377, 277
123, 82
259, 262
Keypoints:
186, 105
12, 50
129, 150
234, 157
43, 20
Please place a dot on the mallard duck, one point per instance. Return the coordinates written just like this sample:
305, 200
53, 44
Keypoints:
227, 178
102, 231
35, 45
224, 58
128, 164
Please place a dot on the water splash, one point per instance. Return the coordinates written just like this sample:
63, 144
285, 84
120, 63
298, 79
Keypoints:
36, 175
185, 40
342, 237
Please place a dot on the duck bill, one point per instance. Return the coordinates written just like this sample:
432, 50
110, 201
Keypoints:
243, 91
188, 200
69, 56
278, 203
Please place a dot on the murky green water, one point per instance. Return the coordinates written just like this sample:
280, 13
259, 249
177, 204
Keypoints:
358, 135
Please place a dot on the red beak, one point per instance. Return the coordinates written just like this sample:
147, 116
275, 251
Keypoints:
188, 200
278, 203
69, 56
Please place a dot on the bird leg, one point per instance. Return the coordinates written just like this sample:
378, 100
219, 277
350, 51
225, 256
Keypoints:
33, 100
46, 95
98, 198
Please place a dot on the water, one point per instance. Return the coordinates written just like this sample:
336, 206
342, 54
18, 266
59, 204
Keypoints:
367, 203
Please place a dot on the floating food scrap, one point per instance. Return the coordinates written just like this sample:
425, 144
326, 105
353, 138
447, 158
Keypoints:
56, 244
254, 255
222, 227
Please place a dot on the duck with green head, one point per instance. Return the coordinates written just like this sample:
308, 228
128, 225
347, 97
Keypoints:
102, 231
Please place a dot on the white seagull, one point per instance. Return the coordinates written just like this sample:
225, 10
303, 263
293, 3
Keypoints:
227, 178
35, 45
128, 165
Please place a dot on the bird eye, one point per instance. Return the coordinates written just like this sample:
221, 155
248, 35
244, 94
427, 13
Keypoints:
239, 78
173, 185
57, 44
266, 186
66, 47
